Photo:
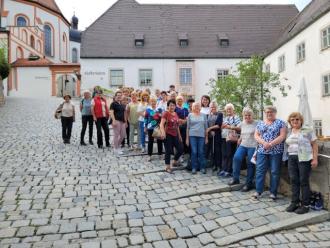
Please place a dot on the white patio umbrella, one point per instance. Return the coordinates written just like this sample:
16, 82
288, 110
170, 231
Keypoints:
303, 107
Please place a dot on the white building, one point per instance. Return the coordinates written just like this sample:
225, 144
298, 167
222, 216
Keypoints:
39, 49
303, 51
154, 46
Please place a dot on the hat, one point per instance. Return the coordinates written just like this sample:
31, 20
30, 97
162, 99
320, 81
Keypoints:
65, 95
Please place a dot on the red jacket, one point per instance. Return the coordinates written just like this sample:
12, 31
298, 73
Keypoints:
98, 107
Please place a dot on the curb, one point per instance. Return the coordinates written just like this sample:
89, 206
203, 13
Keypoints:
299, 220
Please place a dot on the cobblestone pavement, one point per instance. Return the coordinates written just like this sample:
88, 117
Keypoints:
56, 195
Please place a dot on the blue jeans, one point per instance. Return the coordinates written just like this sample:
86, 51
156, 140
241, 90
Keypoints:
197, 146
142, 141
239, 156
264, 162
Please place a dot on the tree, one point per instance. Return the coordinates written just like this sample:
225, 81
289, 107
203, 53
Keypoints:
4, 73
249, 86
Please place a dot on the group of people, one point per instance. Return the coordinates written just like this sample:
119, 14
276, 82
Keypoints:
203, 132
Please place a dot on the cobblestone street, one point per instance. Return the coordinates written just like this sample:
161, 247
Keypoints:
56, 195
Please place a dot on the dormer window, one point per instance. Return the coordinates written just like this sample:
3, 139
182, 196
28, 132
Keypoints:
139, 40
183, 40
223, 40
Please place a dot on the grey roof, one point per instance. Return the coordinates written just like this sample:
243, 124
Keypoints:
75, 35
251, 29
311, 13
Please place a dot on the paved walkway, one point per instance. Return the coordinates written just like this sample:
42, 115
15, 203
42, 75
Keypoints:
56, 195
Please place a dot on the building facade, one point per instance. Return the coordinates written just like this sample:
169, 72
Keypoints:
303, 51
39, 49
154, 46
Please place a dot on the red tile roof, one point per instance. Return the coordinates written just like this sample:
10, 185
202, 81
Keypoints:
31, 63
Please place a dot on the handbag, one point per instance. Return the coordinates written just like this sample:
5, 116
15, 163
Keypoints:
58, 112
232, 136
156, 133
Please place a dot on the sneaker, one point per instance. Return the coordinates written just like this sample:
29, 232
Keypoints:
227, 174
91, 142
273, 197
149, 159
302, 210
292, 207
233, 182
193, 171
221, 173
82, 143
246, 188
181, 160
203, 171
256, 196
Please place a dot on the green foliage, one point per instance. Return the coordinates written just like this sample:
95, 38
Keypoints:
4, 65
248, 86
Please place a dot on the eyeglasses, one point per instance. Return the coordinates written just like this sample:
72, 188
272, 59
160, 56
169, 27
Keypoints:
295, 119
269, 112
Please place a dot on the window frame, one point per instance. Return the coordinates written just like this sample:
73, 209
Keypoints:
184, 43
74, 49
222, 76
300, 52
51, 49
327, 36
137, 41
26, 19
185, 82
110, 77
281, 63
318, 129
140, 78
324, 94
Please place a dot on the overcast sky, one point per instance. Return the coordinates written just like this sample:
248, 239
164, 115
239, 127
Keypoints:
89, 11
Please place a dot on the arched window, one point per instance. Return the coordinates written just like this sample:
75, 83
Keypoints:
19, 53
25, 36
32, 42
21, 21
65, 48
39, 47
48, 40
74, 55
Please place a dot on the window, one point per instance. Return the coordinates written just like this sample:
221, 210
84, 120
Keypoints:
326, 85
222, 74
185, 75
48, 40
145, 77
139, 40
74, 55
267, 68
281, 63
301, 52
32, 42
21, 21
184, 43
325, 38
139, 43
317, 127
224, 43
116, 77
223, 40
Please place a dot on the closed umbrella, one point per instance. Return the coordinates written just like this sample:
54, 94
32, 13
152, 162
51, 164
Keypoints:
304, 108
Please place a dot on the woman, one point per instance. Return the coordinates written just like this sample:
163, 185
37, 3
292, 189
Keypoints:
303, 151
125, 100
100, 112
141, 111
246, 148
67, 118
205, 101
151, 120
183, 114
119, 121
214, 123
171, 134
133, 118
86, 117
162, 104
197, 138
230, 123
270, 135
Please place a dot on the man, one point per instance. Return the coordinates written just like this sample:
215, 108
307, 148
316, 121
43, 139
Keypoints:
172, 89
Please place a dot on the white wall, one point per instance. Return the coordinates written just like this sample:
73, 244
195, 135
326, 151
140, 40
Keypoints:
316, 64
33, 82
96, 72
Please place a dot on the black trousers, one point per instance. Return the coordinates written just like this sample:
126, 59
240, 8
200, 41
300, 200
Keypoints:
66, 127
213, 150
170, 143
102, 123
228, 151
127, 136
299, 173
86, 119
151, 144
183, 132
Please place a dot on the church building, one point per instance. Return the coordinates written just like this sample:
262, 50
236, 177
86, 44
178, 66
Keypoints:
43, 49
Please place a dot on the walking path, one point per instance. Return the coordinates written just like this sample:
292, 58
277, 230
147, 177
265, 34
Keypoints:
56, 195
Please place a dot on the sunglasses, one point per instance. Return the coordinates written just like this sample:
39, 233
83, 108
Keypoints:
295, 119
